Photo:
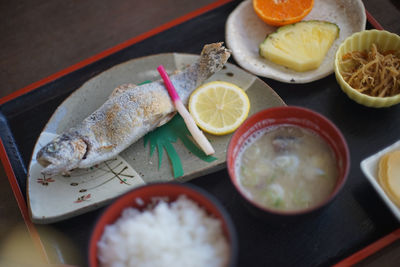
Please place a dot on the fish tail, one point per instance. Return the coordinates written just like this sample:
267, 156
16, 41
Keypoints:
212, 58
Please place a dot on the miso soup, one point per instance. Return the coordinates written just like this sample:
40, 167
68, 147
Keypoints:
287, 167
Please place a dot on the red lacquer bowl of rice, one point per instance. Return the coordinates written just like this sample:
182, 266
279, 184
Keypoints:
164, 224
287, 162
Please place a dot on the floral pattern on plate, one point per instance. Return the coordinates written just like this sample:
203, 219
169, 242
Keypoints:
57, 197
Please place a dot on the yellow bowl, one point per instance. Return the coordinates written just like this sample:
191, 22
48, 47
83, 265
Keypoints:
362, 41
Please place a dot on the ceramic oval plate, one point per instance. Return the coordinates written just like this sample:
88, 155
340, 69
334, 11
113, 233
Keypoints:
52, 199
245, 31
369, 166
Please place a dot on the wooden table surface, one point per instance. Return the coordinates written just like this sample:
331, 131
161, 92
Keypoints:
40, 38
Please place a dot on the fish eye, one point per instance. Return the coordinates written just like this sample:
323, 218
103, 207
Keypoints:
51, 148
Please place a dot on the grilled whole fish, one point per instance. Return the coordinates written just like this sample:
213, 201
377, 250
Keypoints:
129, 113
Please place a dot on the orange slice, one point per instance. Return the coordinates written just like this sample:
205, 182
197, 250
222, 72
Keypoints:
282, 12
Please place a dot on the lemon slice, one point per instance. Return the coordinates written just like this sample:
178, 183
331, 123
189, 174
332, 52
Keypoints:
219, 107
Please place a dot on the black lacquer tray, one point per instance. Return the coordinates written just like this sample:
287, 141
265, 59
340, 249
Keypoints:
357, 216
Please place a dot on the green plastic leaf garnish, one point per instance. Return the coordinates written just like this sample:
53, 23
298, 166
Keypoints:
164, 136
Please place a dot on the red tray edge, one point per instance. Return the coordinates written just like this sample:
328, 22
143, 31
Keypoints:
370, 249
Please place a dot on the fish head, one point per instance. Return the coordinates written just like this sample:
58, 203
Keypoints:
62, 154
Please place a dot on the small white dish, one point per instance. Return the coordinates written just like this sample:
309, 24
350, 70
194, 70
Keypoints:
369, 166
245, 31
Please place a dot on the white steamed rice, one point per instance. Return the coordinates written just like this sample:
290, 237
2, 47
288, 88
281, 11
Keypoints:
176, 234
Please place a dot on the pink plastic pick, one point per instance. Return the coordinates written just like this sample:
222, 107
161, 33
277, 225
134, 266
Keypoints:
198, 135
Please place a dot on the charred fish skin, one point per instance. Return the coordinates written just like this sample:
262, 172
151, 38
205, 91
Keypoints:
130, 112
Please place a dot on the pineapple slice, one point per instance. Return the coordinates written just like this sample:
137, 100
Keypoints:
301, 46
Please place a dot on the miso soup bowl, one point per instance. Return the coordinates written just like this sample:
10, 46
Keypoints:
297, 116
140, 198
